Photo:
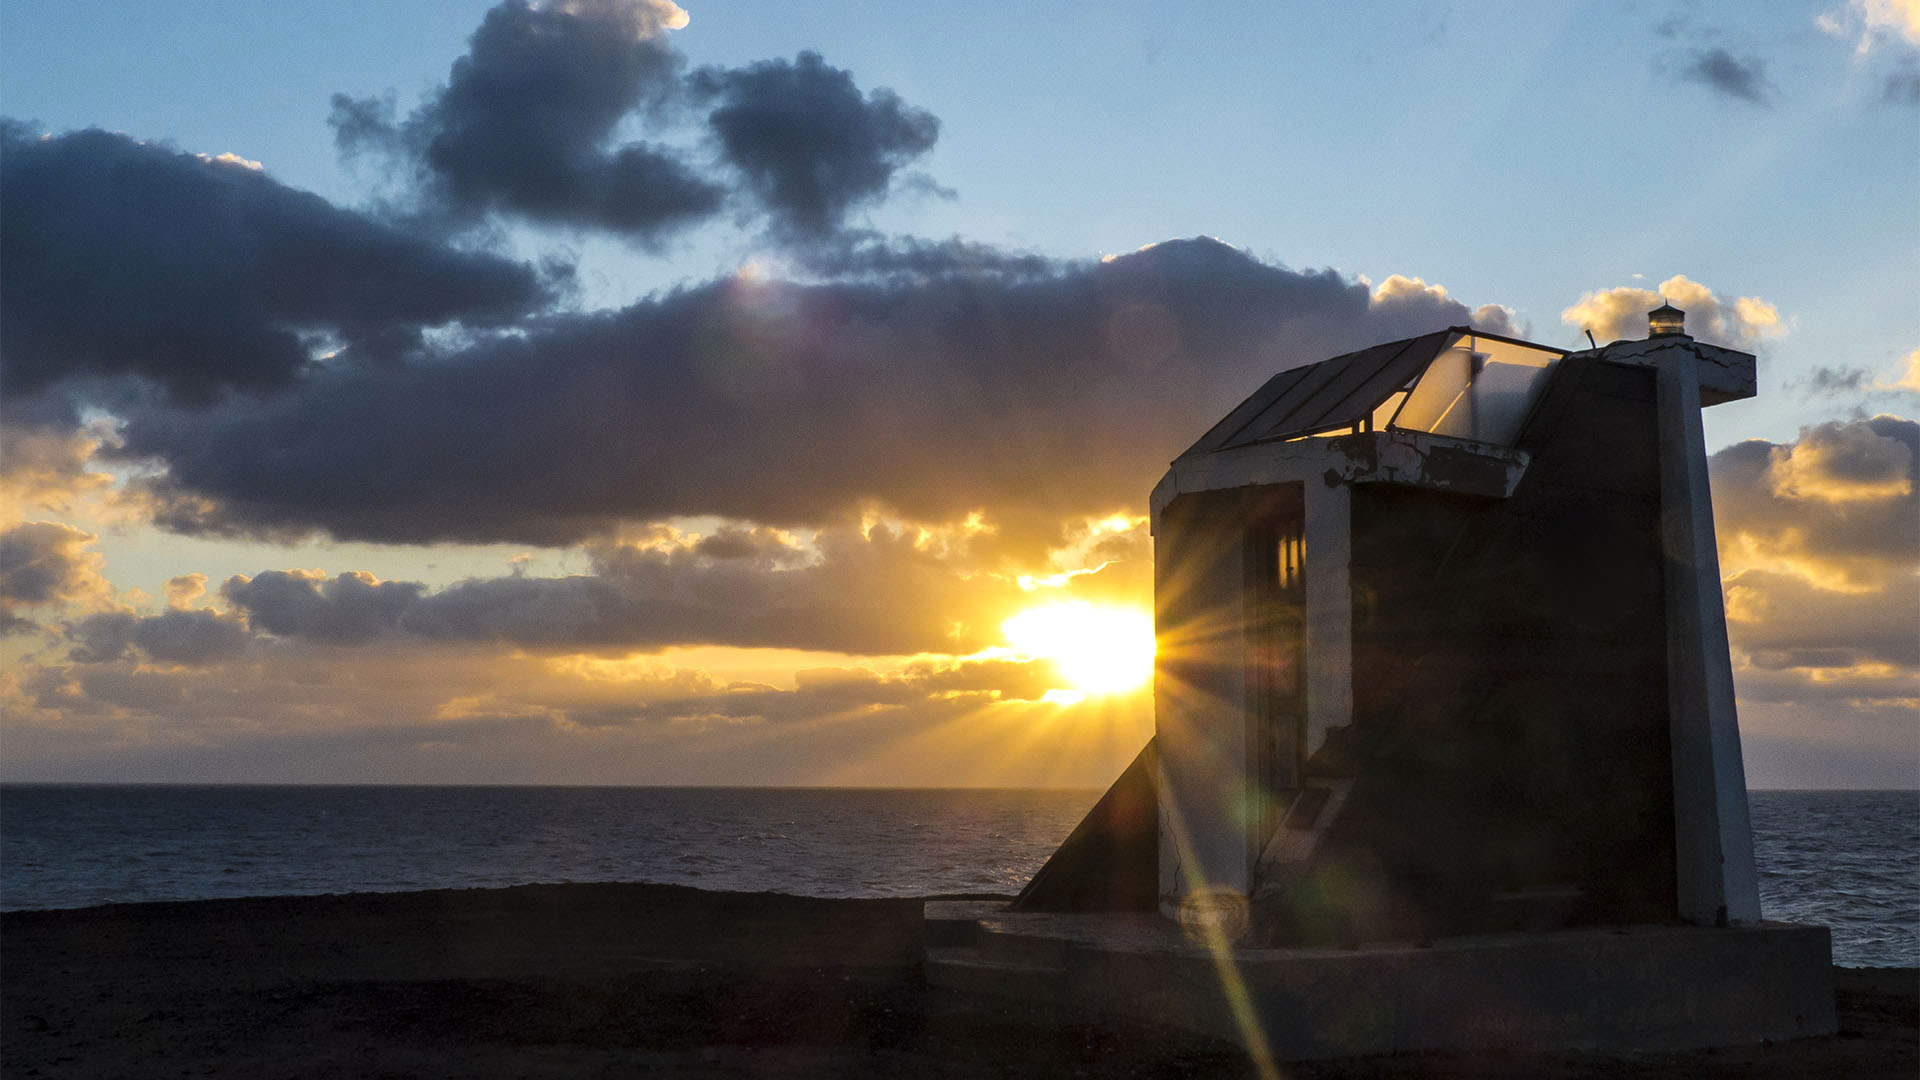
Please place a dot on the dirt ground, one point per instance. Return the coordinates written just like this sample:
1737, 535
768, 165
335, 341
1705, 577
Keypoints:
625, 980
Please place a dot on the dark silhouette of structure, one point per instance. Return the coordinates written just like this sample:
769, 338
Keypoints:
1442, 655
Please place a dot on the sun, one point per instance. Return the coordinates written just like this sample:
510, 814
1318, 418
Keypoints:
1099, 649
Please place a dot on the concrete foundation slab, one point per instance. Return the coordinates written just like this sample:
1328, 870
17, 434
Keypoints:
1639, 988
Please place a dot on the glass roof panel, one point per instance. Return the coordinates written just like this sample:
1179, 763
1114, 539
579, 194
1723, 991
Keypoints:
1478, 388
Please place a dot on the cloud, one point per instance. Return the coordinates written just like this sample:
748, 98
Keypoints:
197, 637
1744, 78
779, 403
938, 686
123, 257
1834, 508
1783, 622
525, 122
1822, 578
530, 123
1399, 289
1841, 380
44, 467
1839, 462
810, 146
1873, 22
1828, 381
877, 590
413, 712
1903, 84
1909, 378
857, 589
1613, 314
46, 564
183, 590
867, 255
350, 609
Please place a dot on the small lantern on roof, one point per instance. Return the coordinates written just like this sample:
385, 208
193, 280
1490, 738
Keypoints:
1666, 321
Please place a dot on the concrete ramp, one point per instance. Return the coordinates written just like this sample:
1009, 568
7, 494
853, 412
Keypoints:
1111, 860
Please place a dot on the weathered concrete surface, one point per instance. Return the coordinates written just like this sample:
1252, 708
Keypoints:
1616, 989
1509, 736
1714, 842
1649, 989
1725, 374
1413, 458
1111, 860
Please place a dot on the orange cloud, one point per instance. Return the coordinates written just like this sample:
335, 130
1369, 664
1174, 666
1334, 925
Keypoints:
1614, 314
1840, 463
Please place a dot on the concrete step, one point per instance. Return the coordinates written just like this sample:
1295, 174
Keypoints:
964, 969
957, 922
1013, 947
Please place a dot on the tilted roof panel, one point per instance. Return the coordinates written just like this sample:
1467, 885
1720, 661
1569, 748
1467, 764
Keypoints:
1331, 393
1346, 398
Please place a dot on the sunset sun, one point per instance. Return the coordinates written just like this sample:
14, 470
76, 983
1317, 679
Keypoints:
1099, 650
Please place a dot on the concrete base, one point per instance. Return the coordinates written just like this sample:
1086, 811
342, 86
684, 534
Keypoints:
1634, 988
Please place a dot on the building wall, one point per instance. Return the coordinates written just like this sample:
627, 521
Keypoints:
1200, 695
1509, 745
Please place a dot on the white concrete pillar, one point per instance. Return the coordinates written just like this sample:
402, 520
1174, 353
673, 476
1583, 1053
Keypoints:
1712, 837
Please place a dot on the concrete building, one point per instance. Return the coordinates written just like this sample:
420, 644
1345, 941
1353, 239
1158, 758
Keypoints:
1443, 656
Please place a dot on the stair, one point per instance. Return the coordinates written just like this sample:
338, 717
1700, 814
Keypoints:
970, 949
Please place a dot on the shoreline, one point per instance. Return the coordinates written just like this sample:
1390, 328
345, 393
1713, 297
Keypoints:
586, 979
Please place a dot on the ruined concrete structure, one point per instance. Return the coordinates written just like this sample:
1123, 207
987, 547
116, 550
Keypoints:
1434, 649
1443, 655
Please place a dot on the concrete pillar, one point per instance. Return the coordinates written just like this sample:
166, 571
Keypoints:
1329, 614
1712, 838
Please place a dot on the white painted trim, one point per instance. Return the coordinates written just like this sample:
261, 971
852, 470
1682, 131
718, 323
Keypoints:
1414, 458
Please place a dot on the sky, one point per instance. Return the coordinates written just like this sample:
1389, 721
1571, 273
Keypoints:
604, 392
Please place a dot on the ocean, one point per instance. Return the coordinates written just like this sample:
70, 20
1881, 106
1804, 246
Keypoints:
1846, 860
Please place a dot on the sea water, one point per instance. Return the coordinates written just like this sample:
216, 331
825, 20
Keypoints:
1846, 860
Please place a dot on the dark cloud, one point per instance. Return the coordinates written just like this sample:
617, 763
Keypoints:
44, 563
526, 120
1903, 84
123, 257
530, 123
810, 146
1826, 381
197, 637
1035, 396
350, 609
1739, 77
869, 592
869, 255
